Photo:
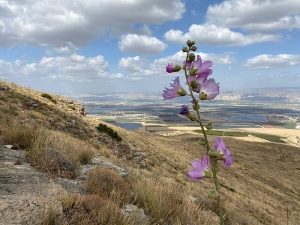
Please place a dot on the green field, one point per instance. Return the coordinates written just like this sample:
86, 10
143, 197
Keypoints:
268, 137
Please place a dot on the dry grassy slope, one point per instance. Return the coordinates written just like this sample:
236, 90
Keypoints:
262, 184
24, 105
260, 188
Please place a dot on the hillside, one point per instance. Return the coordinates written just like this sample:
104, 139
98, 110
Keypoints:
56, 167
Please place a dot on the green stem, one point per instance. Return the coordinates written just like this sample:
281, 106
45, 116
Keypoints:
197, 104
217, 186
214, 161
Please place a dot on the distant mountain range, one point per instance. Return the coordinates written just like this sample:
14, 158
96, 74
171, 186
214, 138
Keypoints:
278, 94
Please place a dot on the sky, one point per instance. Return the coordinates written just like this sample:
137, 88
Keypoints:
79, 47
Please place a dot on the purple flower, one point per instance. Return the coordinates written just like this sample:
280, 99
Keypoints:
202, 78
209, 90
194, 83
199, 168
197, 80
220, 147
203, 68
184, 110
170, 68
174, 91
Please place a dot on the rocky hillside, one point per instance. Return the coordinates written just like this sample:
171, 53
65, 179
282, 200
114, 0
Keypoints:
59, 166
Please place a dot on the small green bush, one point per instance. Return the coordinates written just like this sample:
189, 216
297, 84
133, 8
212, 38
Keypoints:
49, 97
105, 129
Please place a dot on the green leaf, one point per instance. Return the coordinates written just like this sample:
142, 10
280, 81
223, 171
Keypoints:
213, 194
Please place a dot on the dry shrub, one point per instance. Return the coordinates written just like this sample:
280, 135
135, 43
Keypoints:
192, 214
18, 135
53, 161
85, 156
166, 204
51, 217
107, 183
91, 210
58, 153
159, 201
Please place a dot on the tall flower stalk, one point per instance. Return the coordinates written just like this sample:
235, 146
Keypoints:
200, 88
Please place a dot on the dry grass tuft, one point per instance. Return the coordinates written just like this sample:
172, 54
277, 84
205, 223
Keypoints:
20, 136
108, 184
166, 203
59, 153
52, 217
160, 202
85, 156
91, 210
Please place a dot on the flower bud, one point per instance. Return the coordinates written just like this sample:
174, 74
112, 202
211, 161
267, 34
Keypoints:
189, 43
176, 68
170, 68
203, 96
193, 72
208, 174
202, 142
193, 42
192, 57
213, 194
184, 110
192, 118
185, 49
216, 155
194, 84
181, 92
196, 106
209, 126
194, 48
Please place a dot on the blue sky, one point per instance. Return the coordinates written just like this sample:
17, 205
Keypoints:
84, 47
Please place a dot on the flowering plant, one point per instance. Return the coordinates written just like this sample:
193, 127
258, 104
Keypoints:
200, 88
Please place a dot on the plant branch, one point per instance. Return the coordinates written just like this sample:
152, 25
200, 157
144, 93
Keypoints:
197, 104
213, 160
217, 186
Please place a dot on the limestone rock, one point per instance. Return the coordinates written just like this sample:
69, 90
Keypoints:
8, 146
102, 163
135, 212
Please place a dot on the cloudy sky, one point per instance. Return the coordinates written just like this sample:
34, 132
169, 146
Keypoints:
93, 46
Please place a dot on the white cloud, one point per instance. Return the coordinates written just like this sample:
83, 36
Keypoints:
179, 57
145, 30
138, 67
214, 35
74, 67
266, 61
256, 15
288, 22
5, 67
56, 22
141, 44
69, 48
